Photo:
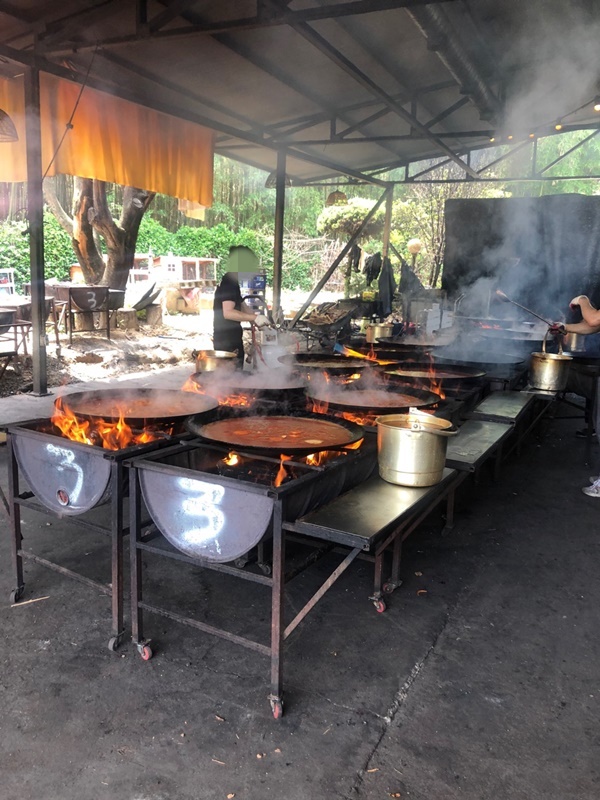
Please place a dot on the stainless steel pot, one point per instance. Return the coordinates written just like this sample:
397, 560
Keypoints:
378, 330
412, 448
211, 360
574, 342
548, 371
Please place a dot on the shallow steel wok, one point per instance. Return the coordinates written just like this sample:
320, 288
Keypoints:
139, 408
491, 364
446, 375
395, 399
268, 386
330, 363
411, 344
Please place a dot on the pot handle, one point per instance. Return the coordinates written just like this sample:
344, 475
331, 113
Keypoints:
560, 344
416, 426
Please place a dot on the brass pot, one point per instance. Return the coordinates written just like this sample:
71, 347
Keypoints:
412, 448
211, 360
548, 371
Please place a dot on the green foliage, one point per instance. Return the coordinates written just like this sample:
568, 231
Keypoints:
153, 236
14, 250
342, 221
58, 250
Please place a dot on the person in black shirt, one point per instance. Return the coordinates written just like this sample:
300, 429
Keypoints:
229, 311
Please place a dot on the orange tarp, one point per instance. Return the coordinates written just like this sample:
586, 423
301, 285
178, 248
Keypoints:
112, 140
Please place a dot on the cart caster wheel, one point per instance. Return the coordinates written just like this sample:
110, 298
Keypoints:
113, 643
390, 586
276, 707
265, 569
145, 652
15, 596
380, 606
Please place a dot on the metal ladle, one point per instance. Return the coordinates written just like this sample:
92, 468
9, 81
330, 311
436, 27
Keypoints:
507, 299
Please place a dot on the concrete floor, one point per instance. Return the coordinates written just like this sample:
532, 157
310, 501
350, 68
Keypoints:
486, 687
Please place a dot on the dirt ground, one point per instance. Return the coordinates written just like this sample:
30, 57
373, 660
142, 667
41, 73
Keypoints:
93, 357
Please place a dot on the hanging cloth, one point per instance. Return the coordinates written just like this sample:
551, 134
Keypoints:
111, 140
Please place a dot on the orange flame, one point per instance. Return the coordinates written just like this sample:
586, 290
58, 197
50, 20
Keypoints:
282, 474
320, 406
360, 419
435, 385
111, 435
191, 386
234, 399
240, 399
232, 459
370, 356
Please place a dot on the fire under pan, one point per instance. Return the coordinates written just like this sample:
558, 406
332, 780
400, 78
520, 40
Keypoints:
69, 479
208, 513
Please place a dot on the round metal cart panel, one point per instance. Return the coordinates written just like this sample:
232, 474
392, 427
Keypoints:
205, 519
67, 478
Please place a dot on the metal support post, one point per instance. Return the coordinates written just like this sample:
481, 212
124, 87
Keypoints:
387, 225
35, 213
278, 243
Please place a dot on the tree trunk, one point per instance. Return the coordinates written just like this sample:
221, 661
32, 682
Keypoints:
92, 263
91, 219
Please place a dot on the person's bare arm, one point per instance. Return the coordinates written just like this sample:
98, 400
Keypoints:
247, 309
581, 327
590, 314
230, 312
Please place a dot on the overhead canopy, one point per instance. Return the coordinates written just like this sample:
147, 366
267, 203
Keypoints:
345, 86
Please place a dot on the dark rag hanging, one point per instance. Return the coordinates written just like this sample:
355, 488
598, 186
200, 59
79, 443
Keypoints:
387, 287
372, 268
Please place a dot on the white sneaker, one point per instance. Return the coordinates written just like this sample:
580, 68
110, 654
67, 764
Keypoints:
593, 490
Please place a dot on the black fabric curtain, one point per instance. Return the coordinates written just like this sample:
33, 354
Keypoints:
540, 251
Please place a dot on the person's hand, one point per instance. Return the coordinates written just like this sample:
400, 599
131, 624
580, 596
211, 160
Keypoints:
557, 329
261, 321
576, 301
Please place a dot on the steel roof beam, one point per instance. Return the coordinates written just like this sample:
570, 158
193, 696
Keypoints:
347, 66
280, 17
356, 31
401, 137
315, 119
568, 152
62, 28
447, 113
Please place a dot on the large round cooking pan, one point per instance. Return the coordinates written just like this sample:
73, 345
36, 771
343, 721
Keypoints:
308, 433
329, 362
139, 408
484, 322
378, 401
274, 384
483, 361
412, 344
423, 371
520, 342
